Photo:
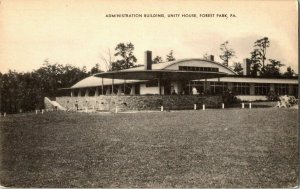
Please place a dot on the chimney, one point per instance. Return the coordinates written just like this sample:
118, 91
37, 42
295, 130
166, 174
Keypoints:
246, 66
211, 58
148, 60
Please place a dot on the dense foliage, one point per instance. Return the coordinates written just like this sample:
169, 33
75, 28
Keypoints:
25, 91
126, 59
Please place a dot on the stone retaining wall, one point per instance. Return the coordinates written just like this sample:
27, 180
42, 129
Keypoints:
151, 102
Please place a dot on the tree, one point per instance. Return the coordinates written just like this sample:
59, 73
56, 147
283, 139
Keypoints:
255, 62
289, 72
125, 52
108, 59
227, 53
237, 67
26, 91
157, 59
170, 57
95, 69
261, 46
273, 68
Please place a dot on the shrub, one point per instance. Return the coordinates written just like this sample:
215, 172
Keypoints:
272, 96
229, 98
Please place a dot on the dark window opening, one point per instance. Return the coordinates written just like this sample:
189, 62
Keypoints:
195, 68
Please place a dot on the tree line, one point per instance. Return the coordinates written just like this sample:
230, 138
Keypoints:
25, 91
260, 65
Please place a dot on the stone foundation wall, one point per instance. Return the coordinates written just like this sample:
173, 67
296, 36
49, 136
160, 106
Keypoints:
151, 102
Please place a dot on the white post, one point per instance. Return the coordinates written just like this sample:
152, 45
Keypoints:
161, 108
223, 106
116, 109
195, 106
4, 114
36, 112
42, 111
243, 105
86, 109
250, 106
203, 106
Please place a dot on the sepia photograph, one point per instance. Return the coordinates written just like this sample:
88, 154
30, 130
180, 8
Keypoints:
149, 94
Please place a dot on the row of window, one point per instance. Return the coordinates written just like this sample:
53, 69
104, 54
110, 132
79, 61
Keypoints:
238, 88
244, 88
195, 68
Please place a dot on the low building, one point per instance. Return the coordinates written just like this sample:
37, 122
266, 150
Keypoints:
184, 77
180, 84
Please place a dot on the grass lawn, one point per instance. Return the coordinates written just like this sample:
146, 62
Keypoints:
212, 148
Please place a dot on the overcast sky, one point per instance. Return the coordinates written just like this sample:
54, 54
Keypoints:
78, 33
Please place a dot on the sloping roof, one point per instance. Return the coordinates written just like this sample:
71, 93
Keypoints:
199, 59
164, 65
93, 81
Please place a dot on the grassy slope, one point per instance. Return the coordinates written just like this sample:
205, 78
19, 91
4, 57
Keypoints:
213, 148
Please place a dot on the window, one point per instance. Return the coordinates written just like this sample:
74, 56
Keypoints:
218, 87
198, 84
281, 89
262, 89
194, 68
153, 83
241, 88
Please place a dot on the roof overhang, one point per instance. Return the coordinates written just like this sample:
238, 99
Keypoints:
160, 74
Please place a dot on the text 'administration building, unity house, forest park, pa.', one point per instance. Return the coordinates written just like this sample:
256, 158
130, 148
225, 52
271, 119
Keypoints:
175, 84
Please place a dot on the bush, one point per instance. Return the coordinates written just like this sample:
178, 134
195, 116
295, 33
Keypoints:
272, 96
229, 98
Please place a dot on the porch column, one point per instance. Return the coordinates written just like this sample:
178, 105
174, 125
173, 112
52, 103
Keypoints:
159, 87
112, 86
132, 91
97, 91
108, 91
205, 85
124, 86
87, 91
102, 87
119, 90
252, 89
72, 92
79, 93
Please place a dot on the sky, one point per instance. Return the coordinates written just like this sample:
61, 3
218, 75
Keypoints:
79, 33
